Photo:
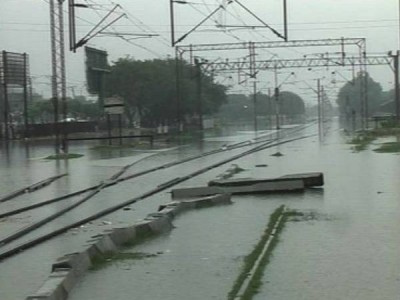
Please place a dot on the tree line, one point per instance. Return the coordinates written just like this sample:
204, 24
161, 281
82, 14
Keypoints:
349, 97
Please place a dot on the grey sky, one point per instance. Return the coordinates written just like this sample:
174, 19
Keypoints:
24, 28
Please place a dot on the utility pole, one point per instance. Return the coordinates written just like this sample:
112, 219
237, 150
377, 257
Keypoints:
255, 105
25, 79
319, 106
276, 98
199, 95
58, 82
5, 91
396, 85
277, 108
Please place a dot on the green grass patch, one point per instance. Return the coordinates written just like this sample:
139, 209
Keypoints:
362, 141
393, 147
101, 261
64, 156
250, 259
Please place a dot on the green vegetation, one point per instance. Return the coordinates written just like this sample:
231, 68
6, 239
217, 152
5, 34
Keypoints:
149, 90
393, 147
361, 142
388, 129
240, 107
100, 261
64, 156
252, 257
349, 95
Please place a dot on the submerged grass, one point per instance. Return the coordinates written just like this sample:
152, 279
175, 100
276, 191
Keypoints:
101, 261
252, 257
64, 156
361, 141
393, 147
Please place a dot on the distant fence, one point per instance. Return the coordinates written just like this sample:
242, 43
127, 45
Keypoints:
48, 129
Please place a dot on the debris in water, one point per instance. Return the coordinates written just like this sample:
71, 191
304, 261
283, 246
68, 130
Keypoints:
277, 154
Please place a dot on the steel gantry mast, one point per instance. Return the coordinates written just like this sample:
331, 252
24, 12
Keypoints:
58, 77
325, 60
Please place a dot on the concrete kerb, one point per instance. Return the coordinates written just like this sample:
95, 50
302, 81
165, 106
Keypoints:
121, 236
67, 270
53, 288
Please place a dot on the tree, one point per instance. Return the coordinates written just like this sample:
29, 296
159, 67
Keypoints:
291, 104
149, 90
349, 97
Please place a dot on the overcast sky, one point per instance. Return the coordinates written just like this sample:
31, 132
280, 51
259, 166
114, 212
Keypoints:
24, 27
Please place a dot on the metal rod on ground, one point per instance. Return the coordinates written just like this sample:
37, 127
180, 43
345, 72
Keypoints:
59, 213
32, 187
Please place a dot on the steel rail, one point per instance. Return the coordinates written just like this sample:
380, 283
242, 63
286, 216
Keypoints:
162, 187
135, 175
31, 188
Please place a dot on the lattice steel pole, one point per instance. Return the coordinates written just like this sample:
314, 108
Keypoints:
58, 81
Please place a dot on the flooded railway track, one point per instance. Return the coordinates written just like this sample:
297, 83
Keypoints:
115, 179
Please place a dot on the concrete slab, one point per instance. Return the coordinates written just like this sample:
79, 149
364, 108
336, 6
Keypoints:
52, 289
160, 224
191, 192
105, 245
170, 212
221, 199
78, 262
143, 229
70, 280
122, 236
268, 187
309, 179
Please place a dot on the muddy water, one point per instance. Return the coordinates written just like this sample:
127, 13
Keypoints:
348, 250
21, 166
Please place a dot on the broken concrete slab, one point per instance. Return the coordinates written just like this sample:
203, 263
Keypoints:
191, 192
309, 179
52, 289
247, 187
78, 262
67, 270
121, 236
268, 187
160, 224
105, 245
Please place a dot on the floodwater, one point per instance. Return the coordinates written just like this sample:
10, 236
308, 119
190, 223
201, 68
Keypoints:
348, 251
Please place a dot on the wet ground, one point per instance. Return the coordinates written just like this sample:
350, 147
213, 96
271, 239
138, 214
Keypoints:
348, 250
